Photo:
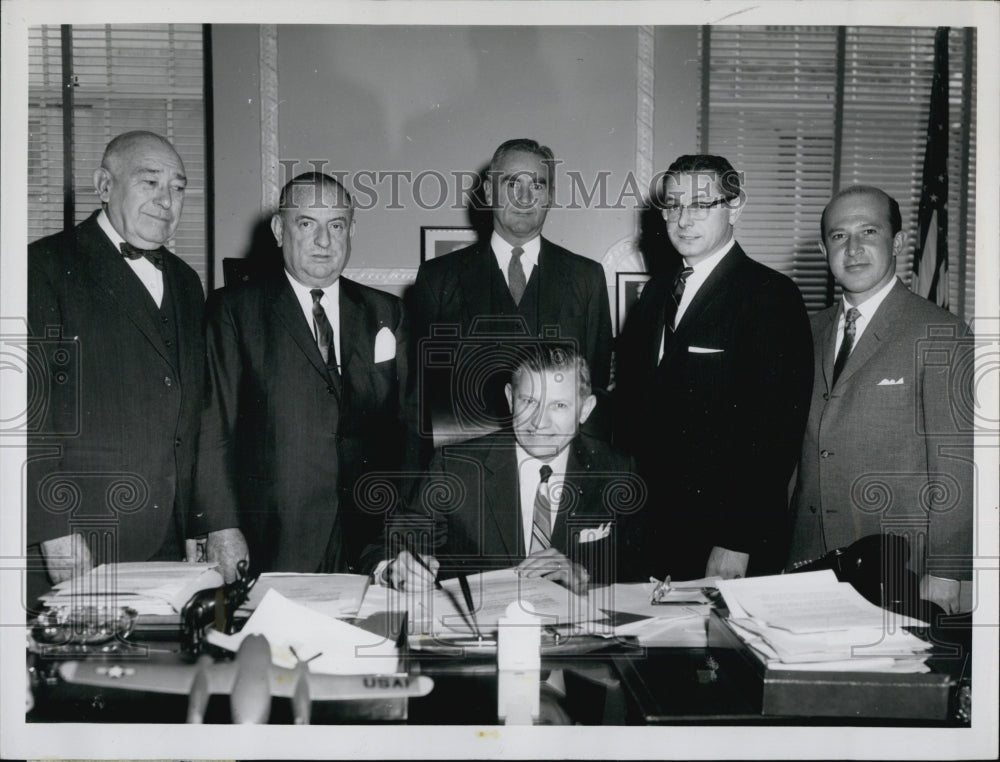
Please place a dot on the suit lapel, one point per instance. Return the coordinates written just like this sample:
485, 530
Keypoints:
289, 313
878, 331
502, 497
107, 268
475, 282
186, 316
578, 466
354, 337
552, 269
827, 352
712, 291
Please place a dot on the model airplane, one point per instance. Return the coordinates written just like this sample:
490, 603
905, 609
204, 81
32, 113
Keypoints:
250, 681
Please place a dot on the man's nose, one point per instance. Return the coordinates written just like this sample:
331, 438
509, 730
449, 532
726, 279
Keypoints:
163, 197
322, 236
684, 219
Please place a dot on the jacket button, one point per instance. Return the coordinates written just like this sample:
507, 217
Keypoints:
825, 453
338, 437
330, 390
168, 342
177, 442
826, 396
165, 319
167, 381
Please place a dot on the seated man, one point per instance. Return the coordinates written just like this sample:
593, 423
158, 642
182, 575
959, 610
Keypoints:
542, 497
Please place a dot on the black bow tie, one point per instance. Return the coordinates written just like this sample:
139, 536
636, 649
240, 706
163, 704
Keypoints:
134, 252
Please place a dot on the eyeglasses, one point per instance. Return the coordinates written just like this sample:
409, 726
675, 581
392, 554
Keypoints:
696, 211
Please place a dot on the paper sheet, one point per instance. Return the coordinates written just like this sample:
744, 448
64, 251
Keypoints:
332, 646
336, 595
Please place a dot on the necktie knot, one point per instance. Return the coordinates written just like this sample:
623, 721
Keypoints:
134, 252
541, 519
545, 472
317, 295
516, 252
852, 317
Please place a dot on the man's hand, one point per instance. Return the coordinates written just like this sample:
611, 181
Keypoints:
553, 565
725, 563
226, 547
942, 591
406, 572
66, 557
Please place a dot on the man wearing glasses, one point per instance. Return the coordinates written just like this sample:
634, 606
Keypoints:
714, 371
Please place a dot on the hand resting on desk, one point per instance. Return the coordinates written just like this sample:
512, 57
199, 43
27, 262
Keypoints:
553, 565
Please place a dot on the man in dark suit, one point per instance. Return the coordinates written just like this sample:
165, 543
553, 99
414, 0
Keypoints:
544, 497
118, 317
307, 371
511, 288
887, 448
714, 370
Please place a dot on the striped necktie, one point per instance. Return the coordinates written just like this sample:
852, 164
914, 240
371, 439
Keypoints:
324, 331
541, 521
847, 344
515, 275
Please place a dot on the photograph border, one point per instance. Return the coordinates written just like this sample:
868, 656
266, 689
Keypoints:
622, 279
432, 234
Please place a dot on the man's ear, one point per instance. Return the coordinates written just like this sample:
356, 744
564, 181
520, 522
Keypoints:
736, 211
350, 229
488, 190
277, 228
898, 243
587, 408
822, 247
102, 184
509, 394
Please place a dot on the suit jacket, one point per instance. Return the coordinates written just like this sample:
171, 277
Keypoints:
285, 441
455, 290
468, 509
717, 424
880, 456
119, 395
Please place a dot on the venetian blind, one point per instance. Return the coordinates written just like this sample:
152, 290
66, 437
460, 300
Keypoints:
804, 111
125, 77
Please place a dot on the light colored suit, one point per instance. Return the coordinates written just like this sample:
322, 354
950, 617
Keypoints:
889, 447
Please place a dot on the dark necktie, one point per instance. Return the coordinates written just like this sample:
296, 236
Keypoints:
541, 520
670, 310
515, 275
134, 252
847, 344
324, 331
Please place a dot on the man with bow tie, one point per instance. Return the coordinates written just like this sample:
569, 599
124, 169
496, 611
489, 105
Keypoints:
117, 322
887, 447
307, 381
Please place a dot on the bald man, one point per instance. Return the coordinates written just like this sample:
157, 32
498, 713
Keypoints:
117, 318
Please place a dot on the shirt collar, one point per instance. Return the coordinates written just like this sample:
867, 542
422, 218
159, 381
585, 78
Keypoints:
331, 292
109, 230
558, 464
503, 249
869, 306
704, 267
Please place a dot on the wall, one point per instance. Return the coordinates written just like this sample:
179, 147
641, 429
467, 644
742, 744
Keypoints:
418, 99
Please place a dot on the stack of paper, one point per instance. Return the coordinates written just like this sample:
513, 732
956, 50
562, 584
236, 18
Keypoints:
298, 633
813, 621
336, 595
154, 588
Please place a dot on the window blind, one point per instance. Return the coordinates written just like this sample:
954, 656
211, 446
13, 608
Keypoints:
804, 111
125, 77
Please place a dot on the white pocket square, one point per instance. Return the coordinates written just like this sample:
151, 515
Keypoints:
595, 534
704, 350
385, 345
890, 382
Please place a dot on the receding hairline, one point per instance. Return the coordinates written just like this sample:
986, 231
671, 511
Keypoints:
311, 181
120, 145
859, 190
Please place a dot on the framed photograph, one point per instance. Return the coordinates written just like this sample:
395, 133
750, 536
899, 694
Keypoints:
629, 287
435, 241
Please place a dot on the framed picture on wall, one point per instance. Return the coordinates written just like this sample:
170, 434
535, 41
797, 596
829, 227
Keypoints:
435, 241
629, 288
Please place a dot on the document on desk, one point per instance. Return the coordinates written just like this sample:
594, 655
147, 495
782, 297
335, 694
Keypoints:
336, 595
682, 624
297, 632
806, 602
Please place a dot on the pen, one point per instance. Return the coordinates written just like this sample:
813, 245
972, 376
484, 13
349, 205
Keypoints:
411, 549
467, 594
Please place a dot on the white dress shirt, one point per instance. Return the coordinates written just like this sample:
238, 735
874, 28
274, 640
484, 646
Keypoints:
529, 475
867, 308
694, 282
330, 303
148, 273
502, 251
